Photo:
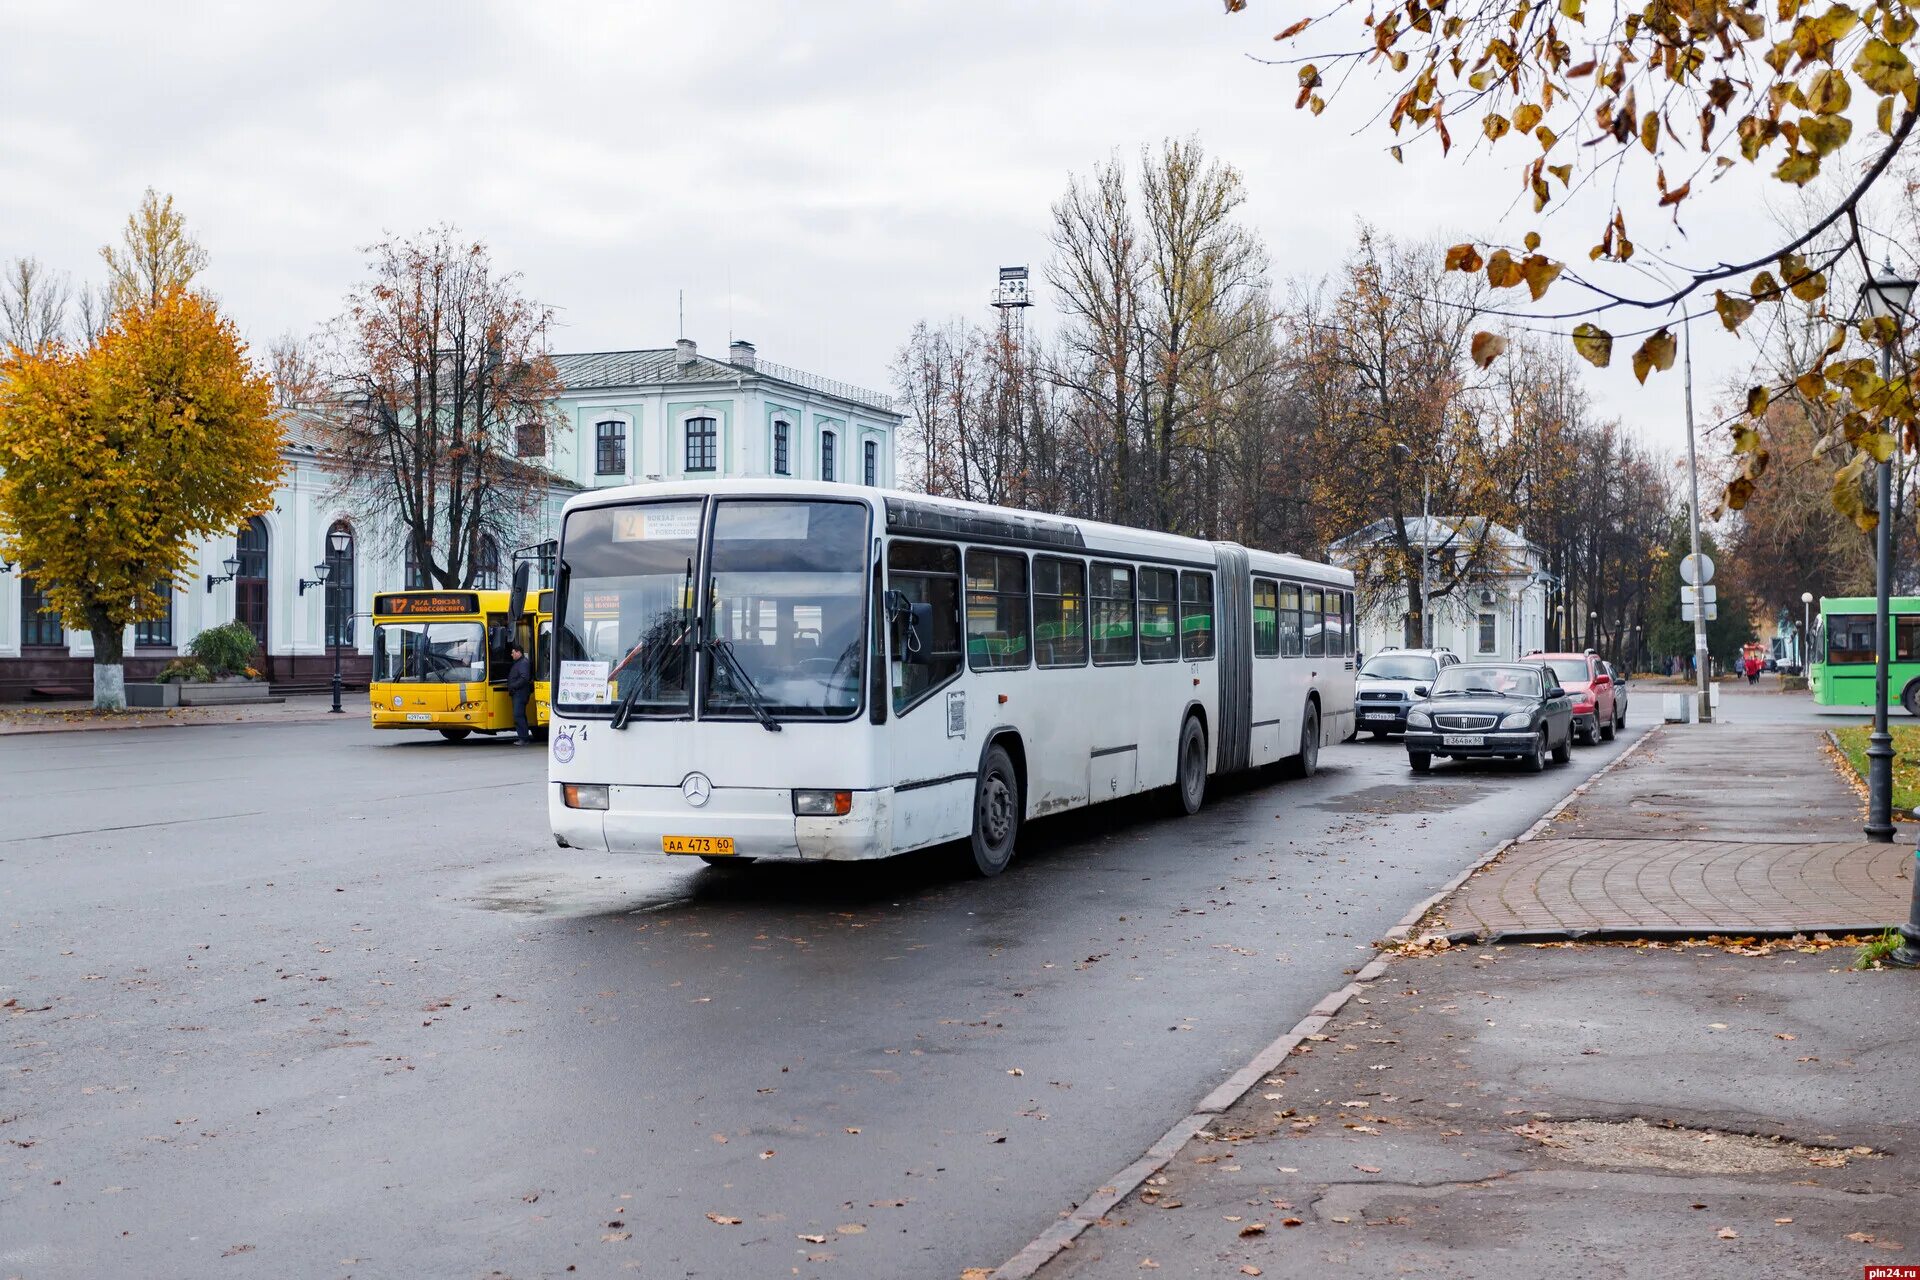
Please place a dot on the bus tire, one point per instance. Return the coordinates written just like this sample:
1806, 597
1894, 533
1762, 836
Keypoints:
1190, 769
454, 735
996, 813
1307, 763
1910, 698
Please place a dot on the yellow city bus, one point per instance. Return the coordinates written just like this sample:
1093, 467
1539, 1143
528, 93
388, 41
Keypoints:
440, 660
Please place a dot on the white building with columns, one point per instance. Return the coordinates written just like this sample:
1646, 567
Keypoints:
626, 417
1498, 610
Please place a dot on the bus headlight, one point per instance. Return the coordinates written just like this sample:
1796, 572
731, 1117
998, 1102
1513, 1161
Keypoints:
584, 795
1419, 720
822, 804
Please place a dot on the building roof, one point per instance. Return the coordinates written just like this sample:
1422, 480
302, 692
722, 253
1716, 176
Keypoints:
1436, 531
307, 430
600, 370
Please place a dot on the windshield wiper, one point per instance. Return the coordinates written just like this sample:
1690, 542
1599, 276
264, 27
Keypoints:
723, 648
654, 661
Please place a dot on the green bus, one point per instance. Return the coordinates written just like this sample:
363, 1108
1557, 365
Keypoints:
1842, 667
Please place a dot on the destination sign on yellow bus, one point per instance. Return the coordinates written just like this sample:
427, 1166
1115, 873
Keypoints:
426, 604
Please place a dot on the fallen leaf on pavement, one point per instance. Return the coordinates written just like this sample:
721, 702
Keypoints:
1015, 1071
247, 1248
1250, 1270
977, 1273
1254, 1229
615, 1237
1148, 1264
722, 1220
766, 1155
1727, 1233
1289, 1222
850, 1228
1366, 1168
1781, 1222
814, 1239
1859, 1237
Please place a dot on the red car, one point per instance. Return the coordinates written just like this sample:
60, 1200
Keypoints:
1597, 713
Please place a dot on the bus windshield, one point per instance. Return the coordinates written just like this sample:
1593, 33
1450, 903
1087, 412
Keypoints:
627, 629
429, 652
789, 597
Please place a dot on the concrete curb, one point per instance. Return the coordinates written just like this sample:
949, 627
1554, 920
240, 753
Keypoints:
1062, 1234
25, 731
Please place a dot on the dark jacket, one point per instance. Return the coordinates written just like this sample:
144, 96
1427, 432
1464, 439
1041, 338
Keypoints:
520, 675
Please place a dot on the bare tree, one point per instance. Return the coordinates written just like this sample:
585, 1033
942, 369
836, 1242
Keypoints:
295, 370
33, 305
444, 364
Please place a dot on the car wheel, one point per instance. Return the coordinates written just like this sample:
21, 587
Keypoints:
1535, 761
454, 735
1563, 752
1420, 761
1606, 729
1619, 719
996, 813
1190, 777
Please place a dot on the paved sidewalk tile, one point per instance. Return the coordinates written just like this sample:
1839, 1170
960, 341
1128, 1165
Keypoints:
1708, 827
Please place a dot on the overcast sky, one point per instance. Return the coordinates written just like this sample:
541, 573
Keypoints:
816, 176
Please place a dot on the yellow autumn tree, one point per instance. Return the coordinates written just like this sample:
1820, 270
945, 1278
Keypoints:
118, 458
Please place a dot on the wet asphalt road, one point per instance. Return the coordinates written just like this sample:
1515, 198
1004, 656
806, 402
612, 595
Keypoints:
310, 1001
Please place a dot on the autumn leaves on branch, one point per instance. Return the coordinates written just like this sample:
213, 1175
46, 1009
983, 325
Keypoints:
1689, 83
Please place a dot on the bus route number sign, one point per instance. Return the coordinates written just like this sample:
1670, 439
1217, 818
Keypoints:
427, 605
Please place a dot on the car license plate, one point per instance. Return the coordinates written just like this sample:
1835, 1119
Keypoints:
710, 846
1463, 740
1378, 715
419, 717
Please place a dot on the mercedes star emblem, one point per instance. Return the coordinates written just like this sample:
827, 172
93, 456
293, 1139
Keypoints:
697, 789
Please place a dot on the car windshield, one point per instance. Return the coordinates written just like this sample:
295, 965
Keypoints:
1399, 666
789, 597
429, 652
1570, 670
1473, 679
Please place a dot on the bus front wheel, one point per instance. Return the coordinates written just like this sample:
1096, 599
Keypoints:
1910, 698
1190, 780
454, 735
996, 813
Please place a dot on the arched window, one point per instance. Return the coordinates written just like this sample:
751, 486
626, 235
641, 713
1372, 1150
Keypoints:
486, 569
610, 448
871, 462
826, 455
703, 444
782, 457
39, 624
251, 583
340, 552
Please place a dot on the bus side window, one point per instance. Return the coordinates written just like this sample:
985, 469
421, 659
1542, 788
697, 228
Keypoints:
927, 574
1196, 616
997, 619
1059, 612
1335, 626
1313, 619
1159, 635
1115, 642
1289, 620
1266, 618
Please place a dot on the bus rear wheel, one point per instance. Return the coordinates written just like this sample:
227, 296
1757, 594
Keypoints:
1190, 774
454, 735
1910, 698
996, 813
1307, 763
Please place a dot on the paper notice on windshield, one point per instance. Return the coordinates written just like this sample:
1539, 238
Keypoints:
680, 522
582, 682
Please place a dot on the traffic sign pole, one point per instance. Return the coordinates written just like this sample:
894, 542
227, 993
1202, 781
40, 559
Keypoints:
1700, 658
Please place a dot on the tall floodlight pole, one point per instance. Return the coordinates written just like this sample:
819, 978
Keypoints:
1693, 528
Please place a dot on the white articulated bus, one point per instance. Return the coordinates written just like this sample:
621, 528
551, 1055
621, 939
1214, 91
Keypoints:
779, 669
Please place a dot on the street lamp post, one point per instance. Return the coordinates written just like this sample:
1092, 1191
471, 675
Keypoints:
338, 541
1593, 627
1884, 297
1806, 634
1405, 454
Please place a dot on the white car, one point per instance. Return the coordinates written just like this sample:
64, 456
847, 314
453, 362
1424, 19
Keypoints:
1390, 682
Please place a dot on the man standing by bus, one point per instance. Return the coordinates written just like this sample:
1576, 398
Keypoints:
520, 688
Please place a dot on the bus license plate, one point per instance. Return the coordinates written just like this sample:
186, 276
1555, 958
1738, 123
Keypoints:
419, 717
1463, 740
710, 846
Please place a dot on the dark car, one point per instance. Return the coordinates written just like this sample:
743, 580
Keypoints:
1485, 709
